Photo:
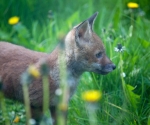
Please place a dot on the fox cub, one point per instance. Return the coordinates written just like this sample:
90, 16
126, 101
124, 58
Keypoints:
83, 50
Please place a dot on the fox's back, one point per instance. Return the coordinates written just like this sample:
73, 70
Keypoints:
14, 60
10, 52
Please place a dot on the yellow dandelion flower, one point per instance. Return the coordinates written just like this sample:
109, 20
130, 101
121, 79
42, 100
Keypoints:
132, 5
32, 70
16, 120
13, 20
92, 95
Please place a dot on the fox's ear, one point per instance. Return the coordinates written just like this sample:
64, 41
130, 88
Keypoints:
92, 19
82, 31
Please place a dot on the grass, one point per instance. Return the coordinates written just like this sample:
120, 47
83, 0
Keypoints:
126, 100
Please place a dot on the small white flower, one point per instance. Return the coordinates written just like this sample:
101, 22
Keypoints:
123, 74
58, 92
116, 49
32, 121
22, 116
119, 48
13, 112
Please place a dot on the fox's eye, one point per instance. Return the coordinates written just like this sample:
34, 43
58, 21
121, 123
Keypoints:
99, 55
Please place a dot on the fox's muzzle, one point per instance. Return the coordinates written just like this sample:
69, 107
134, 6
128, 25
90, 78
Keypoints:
108, 68
105, 69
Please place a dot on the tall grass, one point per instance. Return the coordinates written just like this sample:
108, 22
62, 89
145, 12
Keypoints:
126, 100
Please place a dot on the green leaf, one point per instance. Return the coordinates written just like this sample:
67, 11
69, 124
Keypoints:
132, 97
148, 123
21, 30
130, 31
117, 17
144, 43
4, 35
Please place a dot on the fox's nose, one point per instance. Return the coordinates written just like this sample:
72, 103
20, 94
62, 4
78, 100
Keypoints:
113, 67
110, 67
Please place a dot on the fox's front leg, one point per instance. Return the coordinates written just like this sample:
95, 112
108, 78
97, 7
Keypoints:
37, 114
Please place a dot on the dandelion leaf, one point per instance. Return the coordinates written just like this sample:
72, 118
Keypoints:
133, 98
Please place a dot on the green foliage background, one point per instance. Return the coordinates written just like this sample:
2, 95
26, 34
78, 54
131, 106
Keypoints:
126, 101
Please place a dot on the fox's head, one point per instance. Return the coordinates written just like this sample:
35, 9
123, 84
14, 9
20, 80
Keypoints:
85, 50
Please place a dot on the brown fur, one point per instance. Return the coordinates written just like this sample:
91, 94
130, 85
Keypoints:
81, 46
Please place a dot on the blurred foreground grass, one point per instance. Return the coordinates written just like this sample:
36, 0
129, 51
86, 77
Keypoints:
126, 98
